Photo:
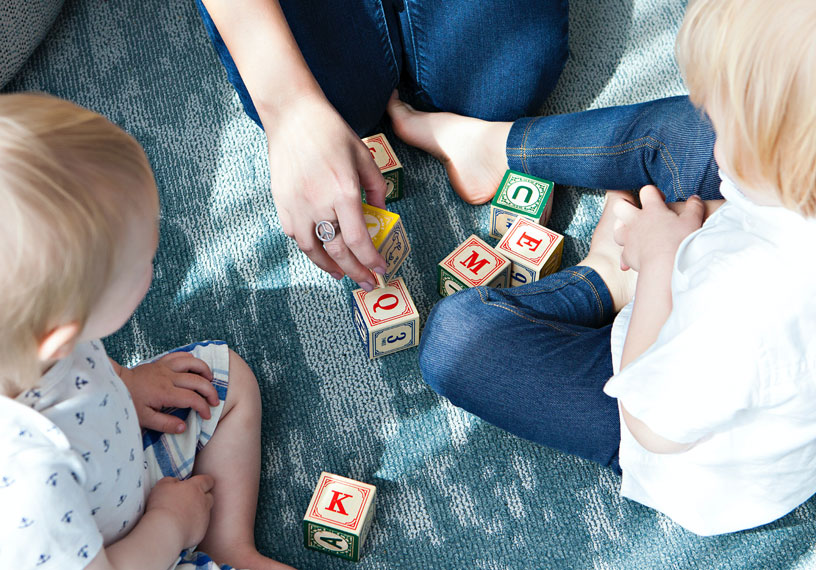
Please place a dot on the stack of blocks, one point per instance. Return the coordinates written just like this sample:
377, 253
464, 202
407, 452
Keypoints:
386, 318
339, 516
526, 252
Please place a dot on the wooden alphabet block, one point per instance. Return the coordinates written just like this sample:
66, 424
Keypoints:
339, 516
520, 194
533, 250
386, 318
471, 264
389, 165
389, 237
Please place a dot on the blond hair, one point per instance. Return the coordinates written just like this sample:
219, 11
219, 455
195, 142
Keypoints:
751, 64
68, 180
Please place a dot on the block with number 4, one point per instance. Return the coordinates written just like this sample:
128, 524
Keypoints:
389, 165
472, 264
339, 516
533, 250
389, 237
386, 318
520, 194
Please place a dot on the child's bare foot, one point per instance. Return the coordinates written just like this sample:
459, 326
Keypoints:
472, 150
604, 254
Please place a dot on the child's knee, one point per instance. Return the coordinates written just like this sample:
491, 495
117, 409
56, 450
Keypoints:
452, 337
243, 385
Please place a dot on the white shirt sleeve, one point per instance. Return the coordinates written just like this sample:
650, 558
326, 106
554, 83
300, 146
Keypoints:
703, 372
46, 521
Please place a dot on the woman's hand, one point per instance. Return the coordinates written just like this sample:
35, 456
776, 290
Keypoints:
317, 166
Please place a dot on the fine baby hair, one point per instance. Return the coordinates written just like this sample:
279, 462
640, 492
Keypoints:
752, 65
68, 180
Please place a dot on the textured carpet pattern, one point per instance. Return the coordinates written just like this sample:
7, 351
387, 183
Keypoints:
454, 492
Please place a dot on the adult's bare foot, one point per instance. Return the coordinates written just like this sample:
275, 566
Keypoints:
472, 150
605, 254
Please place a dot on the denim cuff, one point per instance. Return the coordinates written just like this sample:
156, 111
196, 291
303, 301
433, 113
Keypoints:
516, 147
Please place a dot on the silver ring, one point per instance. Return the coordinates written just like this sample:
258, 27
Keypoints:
326, 230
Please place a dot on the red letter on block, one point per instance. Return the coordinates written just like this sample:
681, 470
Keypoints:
337, 501
474, 263
529, 241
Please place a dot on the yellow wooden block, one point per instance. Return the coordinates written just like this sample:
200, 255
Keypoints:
389, 237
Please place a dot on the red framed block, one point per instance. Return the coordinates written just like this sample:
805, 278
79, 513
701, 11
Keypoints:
472, 264
389, 165
339, 516
533, 251
386, 318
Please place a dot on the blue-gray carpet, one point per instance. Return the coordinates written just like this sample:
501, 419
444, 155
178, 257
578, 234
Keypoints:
454, 492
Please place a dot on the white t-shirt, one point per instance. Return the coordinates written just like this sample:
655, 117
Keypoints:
733, 369
60, 501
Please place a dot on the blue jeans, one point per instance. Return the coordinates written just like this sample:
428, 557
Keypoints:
666, 142
532, 360
473, 58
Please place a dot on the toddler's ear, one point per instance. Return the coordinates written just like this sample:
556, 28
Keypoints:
58, 342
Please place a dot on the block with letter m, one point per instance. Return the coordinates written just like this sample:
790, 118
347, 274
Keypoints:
471, 264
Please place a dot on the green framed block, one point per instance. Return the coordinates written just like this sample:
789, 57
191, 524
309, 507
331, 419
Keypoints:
326, 539
389, 165
339, 516
523, 195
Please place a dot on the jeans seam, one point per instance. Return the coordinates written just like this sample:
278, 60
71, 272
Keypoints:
648, 141
388, 40
414, 49
524, 144
511, 309
595, 292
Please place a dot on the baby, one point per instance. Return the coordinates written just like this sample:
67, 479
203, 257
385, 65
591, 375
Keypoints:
81, 486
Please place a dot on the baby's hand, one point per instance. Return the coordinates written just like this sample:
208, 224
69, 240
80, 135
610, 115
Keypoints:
177, 380
653, 232
187, 503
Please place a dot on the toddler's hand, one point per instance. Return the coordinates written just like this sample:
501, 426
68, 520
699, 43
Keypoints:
177, 380
187, 503
653, 232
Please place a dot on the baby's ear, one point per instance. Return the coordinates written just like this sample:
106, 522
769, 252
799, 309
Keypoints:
58, 342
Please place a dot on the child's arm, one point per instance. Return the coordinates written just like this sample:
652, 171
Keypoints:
177, 380
176, 517
650, 237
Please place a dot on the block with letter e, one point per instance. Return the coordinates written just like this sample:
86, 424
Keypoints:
339, 516
389, 165
533, 250
386, 318
520, 194
471, 264
389, 237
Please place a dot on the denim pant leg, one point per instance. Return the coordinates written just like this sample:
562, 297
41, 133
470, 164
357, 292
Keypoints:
667, 142
349, 48
532, 360
496, 60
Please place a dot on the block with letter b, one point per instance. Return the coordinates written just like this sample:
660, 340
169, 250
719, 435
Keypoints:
339, 516
389, 165
520, 194
533, 250
386, 318
471, 264
389, 237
